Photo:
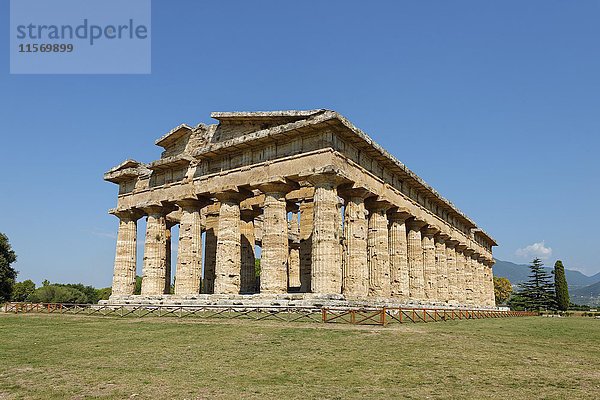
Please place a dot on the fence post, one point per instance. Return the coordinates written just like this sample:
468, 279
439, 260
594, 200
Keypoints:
324, 314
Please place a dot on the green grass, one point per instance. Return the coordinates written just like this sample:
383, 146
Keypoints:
71, 357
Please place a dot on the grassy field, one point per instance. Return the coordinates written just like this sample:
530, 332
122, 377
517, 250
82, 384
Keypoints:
70, 357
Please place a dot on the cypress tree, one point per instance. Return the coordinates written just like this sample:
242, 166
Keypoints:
560, 287
538, 292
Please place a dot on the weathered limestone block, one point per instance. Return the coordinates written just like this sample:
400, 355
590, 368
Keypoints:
441, 265
429, 265
306, 228
210, 244
399, 273
326, 257
228, 265
355, 279
155, 252
126, 254
415, 259
189, 255
274, 255
294, 254
247, 273
453, 288
378, 251
461, 278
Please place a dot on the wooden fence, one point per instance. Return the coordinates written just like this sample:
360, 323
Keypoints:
357, 316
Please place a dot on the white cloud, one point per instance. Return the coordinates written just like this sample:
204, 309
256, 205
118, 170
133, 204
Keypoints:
538, 250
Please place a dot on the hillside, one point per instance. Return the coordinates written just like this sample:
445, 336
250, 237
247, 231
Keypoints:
589, 295
518, 273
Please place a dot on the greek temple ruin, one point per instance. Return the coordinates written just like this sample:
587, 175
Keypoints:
331, 215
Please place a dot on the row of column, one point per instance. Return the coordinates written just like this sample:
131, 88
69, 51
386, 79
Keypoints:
377, 250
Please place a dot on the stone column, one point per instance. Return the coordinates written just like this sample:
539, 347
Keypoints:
415, 259
355, 271
210, 251
469, 283
491, 292
306, 228
429, 267
126, 254
399, 274
155, 255
326, 257
274, 255
481, 281
378, 250
248, 243
453, 288
461, 279
228, 265
188, 273
294, 254
441, 266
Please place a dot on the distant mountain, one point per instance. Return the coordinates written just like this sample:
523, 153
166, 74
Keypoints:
589, 295
518, 273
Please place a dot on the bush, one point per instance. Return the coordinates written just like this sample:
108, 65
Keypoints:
57, 294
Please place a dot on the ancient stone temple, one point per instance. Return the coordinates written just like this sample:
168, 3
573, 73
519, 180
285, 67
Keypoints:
331, 215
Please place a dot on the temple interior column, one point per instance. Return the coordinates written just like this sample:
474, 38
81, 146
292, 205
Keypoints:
210, 248
326, 257
228, 260
248, 242
274, 256
126, 253
398, 247
453, 289
355, 271
294, 252
188, 273
429, 265
306, 228
155, 255
415, 259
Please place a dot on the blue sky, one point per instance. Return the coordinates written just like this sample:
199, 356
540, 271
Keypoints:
495, 104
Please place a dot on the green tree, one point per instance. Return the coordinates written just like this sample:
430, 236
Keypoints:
104, 293
502, 289
7, 273
57, 294
538, 292
22, 290
560, 287
138, 285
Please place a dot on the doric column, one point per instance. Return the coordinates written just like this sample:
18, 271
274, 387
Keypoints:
326, 266
378, 253
210, 248
168, 266
399, 274
491, 291
469, 283
306, 228
154, 272
294, 253
248, 243
441, 266
355, 271
228, 265
429, 267
274, 255
481, 281
188, 273
461, 279
415, 259
453, 288
126, 254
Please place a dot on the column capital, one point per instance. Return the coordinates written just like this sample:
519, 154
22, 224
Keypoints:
450, 243
158, 209
281, 186
376, 204
193, 203
354, 191
326, 179
415, 224
233, 194
399, 214
430, 230
441, 237
130, 214
249, 214
468, 252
